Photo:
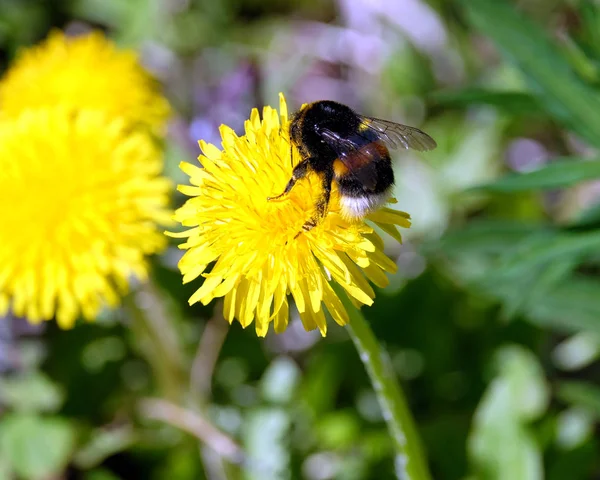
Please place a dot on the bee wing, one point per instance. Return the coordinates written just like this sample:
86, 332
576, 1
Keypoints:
352, 155
396, 135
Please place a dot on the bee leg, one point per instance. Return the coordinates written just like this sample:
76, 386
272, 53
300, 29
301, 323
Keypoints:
298, 173
322, 204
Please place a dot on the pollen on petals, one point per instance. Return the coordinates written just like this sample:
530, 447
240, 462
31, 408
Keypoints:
248, 249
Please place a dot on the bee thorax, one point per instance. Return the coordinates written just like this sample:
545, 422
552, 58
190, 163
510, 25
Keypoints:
358, 207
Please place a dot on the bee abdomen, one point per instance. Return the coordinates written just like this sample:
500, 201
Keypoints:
360, 206
367, 170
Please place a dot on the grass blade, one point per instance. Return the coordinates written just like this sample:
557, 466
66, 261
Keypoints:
560, 91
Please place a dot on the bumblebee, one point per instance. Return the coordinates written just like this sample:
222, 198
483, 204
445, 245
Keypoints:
340, 145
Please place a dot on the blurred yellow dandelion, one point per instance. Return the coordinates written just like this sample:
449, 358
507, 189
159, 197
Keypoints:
250, 242
80, 196
83, 72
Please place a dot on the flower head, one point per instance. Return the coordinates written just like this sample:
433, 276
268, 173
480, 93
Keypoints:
83, 72
80, 195
253, 245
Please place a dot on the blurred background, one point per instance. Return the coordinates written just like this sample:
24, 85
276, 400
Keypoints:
492, 321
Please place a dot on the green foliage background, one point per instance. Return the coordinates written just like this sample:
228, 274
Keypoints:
492, 322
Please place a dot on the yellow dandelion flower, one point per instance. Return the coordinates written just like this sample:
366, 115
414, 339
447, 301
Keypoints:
83, 72
80, 196
252, 244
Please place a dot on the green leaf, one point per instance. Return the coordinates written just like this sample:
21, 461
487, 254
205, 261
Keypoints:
483, 237
589, 33
530, 270
544, 288
524, 378
100, 474
500, 444
539, 281
280, 380
338, 430
559, 174
549, 247
590, 216
581, 394
266, 440
516, 103
571, 306
36, 447
559, 90
574, 427
30, 392
5, 472
577, 351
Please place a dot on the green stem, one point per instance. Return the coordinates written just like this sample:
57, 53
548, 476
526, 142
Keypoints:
156, 340
410, 461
